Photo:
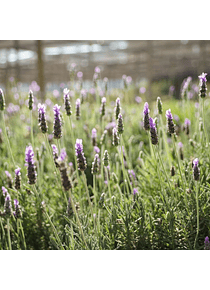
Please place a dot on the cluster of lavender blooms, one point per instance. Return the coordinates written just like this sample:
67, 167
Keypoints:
57, 122
29, 158
42, 118
187, 124
170, 122
30, 100
7, 213
203, 86
117, 108
159, 106
153, 131
95, 165
55, 154
2, 101
78, 109
17, 178
94, 137
106, 158
185, 87
146, 117
67, 103
81, 160
196, 171
206, 243
120, 126
115, 137
66, 182
103, 106
17, 213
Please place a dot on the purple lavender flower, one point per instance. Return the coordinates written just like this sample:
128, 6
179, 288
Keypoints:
146, 116
153, 131
94, 136
29, 158
115, 137
103, 106
57, 122
196, 171
206, 243
117, 108
203, 86
17, 213
135, 191
142, 90
17, 178
96, 149
81, 160
95, 165
30, 100
66, 182
187, 126
63, 154
8, 174
169, 118
42, 118
7, 206
78, 109
67, 102
120, 126
55, 154
4, 190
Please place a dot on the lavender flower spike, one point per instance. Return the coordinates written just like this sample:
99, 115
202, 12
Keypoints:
146, 116
203, 86
17, 178
7, 206
117, 108
187, 126
94, 136
78, 109
153, 132
103, 106
4, 190
57, 122
17, 213
55, 154
169, 118
206, 243
196, 171
30, 100
29, 158
81, 160
42, 118
67, 102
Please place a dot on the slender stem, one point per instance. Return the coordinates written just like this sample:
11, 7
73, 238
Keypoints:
123, 166
164, 169
197, 206
94, 189
102, 173
32, 137
8, 234
21, 227
7, 139
110, 195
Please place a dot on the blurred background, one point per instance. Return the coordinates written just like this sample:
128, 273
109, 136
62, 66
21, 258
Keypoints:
45, 65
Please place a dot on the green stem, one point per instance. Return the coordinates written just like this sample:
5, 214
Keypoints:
110, 195
24, 241
87, 191
8, 235
32, 137
197, 206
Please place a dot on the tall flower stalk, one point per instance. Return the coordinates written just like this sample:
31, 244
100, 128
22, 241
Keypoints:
196, 175
30, 106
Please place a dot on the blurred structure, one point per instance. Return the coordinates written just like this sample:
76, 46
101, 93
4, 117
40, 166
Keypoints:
49, 60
